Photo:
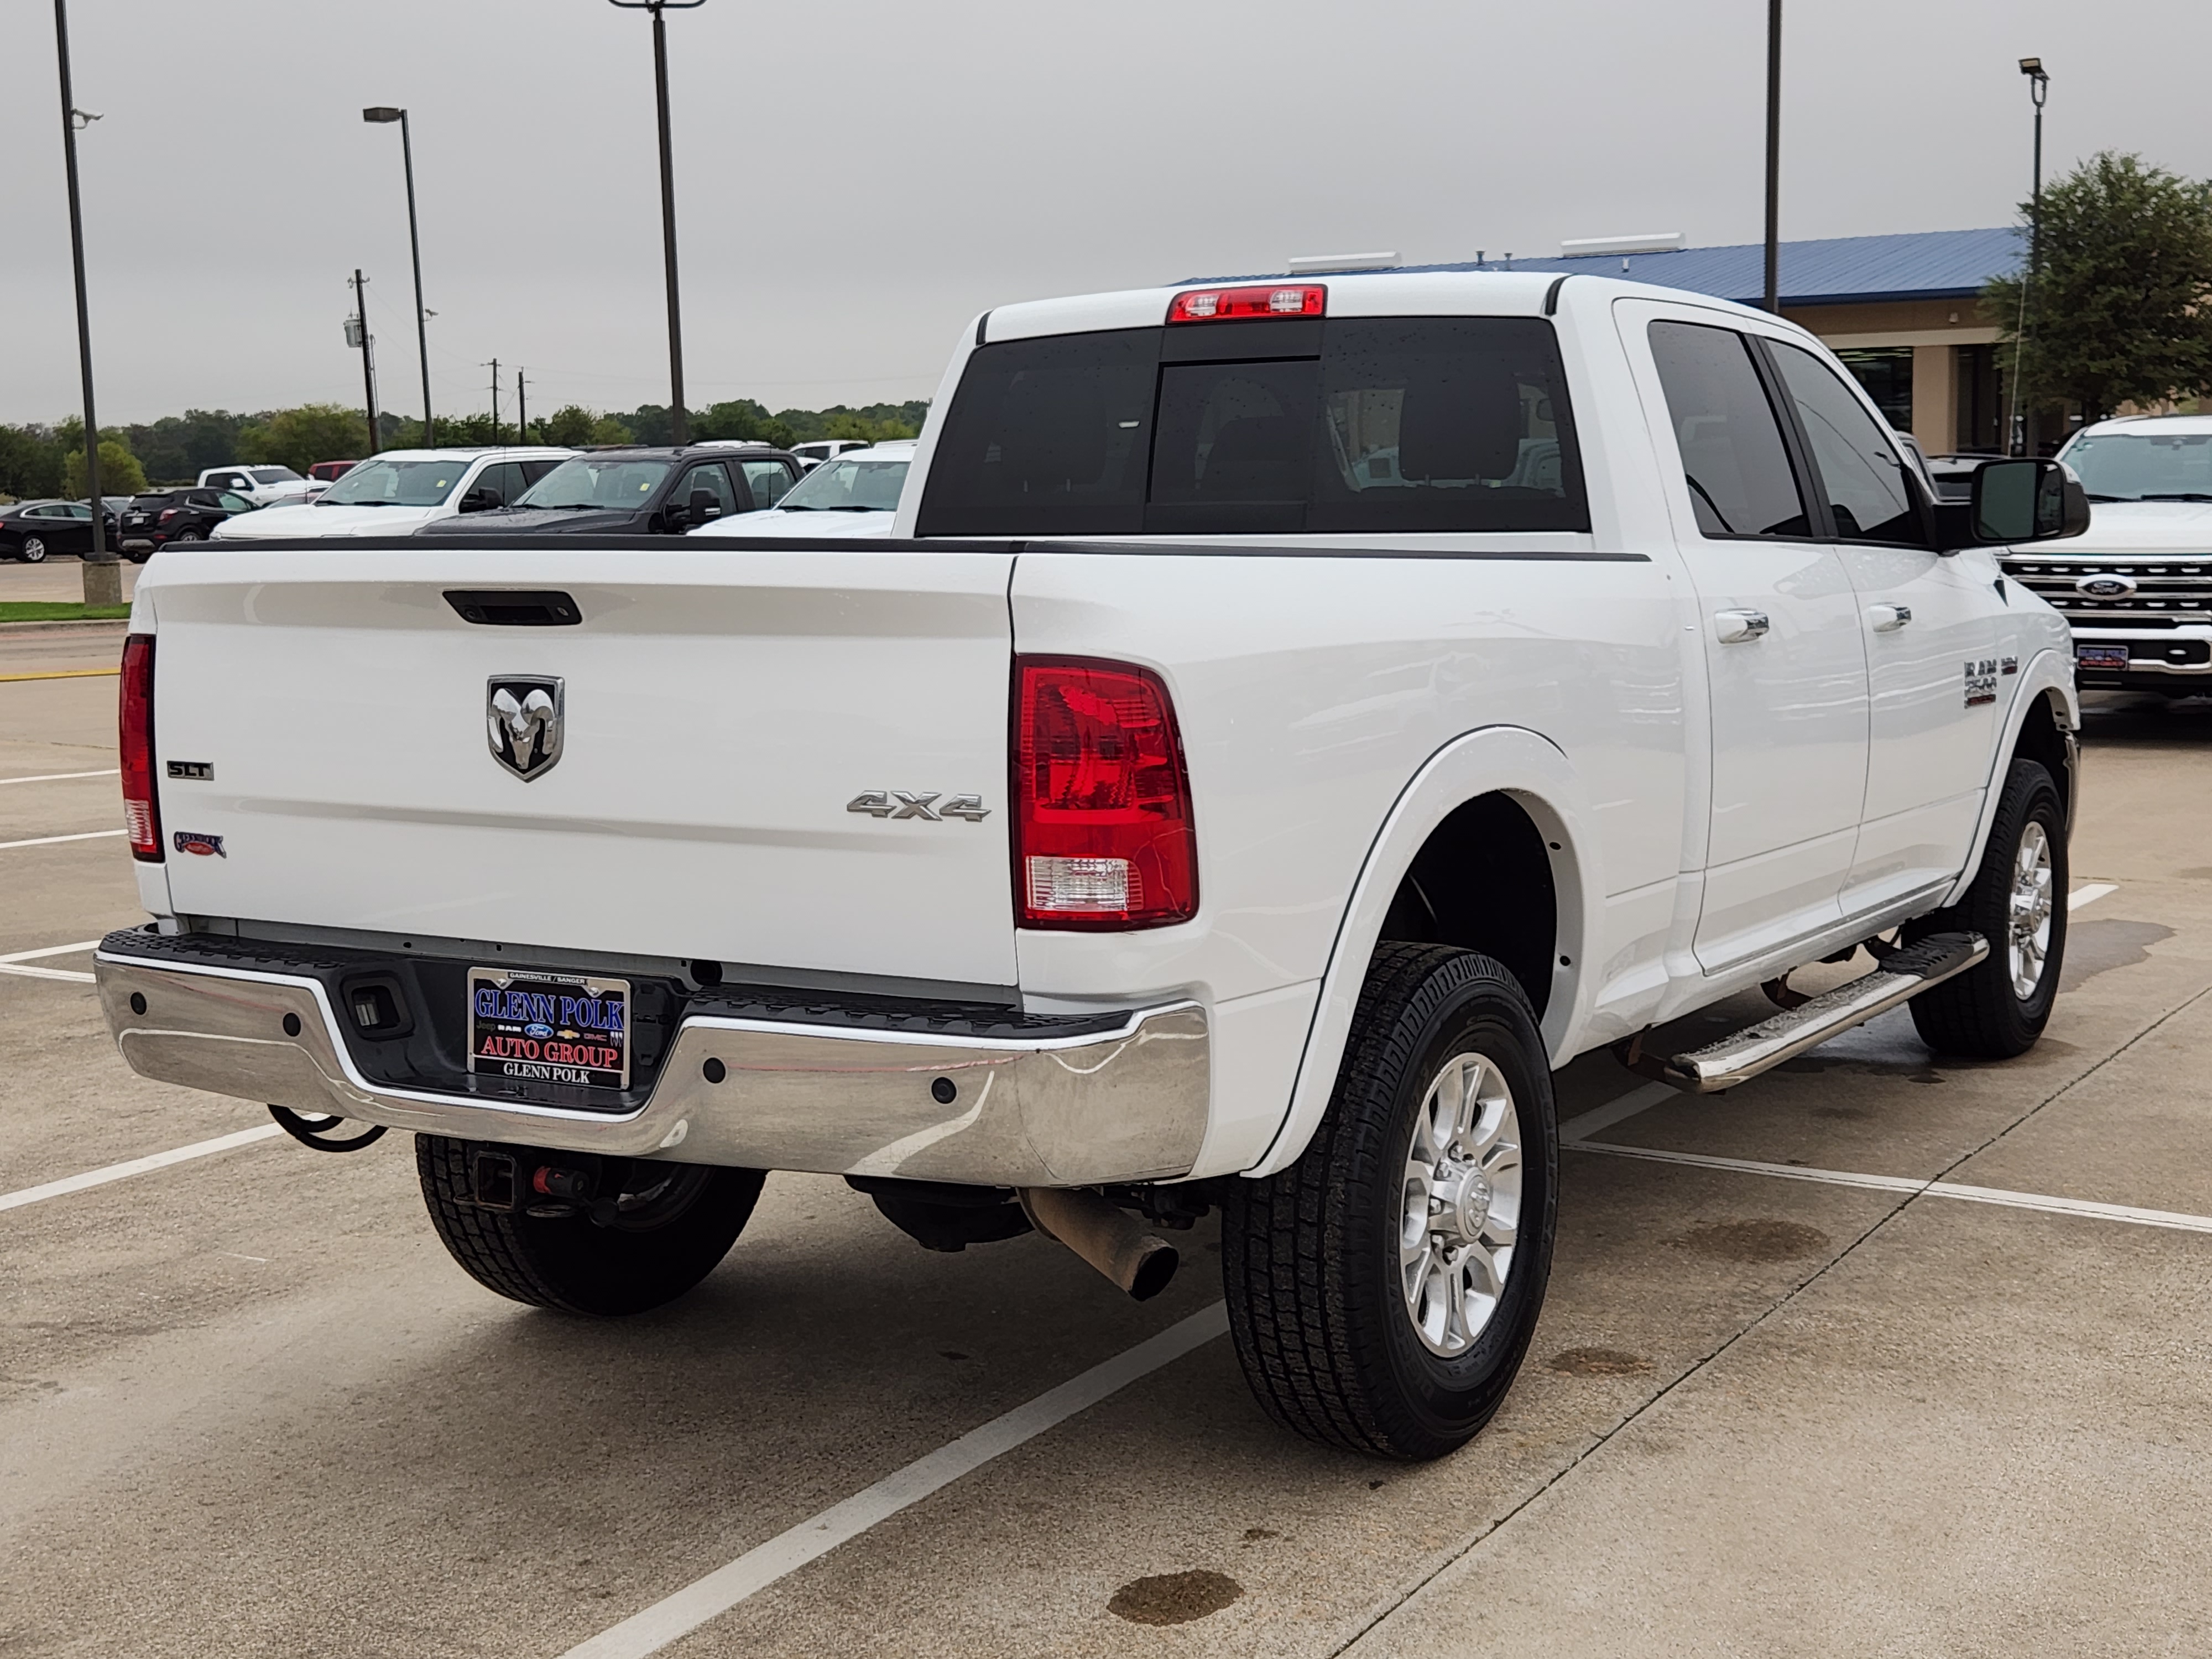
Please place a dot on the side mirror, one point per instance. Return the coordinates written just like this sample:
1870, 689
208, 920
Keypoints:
2011, 502
704, 505
481, 500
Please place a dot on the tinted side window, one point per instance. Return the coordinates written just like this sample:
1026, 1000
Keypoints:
713, 481
503, 480
1047, 437
1733, 458
1861, 473
533, 470
768, 480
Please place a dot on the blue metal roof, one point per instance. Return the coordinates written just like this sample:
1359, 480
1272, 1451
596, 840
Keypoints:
1934, 265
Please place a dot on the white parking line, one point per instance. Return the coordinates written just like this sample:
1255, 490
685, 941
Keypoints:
48, 840
2050, 1204
59, 777
676, 1615
51, 951
2090, 894
1618, 1111
68, 973
77, 1183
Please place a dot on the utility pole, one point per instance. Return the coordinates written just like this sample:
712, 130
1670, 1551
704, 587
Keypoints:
1773, 290
679, 422
521, 411
496, 430
104, 586
359, 327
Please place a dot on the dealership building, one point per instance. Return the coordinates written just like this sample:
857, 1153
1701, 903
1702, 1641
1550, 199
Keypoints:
1902, 311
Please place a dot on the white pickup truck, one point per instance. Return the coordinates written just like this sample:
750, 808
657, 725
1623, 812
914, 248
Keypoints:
1288, 720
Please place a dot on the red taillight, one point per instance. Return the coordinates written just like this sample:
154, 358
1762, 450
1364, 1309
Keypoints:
142, 814
1214, 305
168, 513
1103, 835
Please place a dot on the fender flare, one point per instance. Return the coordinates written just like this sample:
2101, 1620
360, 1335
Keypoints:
1508, 760
2048, 671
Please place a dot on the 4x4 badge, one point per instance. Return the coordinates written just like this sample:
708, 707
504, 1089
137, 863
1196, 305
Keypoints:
917, 803
523, 718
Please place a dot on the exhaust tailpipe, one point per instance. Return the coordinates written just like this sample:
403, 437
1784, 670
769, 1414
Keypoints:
1103, 1235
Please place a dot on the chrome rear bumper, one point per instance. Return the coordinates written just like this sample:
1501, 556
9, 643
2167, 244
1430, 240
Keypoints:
1123, 1098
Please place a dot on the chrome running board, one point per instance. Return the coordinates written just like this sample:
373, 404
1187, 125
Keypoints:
1904, 974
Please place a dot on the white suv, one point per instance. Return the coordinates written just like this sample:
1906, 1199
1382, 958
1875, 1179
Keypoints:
264, 486
396, 493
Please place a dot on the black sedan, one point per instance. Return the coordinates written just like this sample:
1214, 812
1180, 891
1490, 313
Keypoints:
158, 516
636, 492
35, 532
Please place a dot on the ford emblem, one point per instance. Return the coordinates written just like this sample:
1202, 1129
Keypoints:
534, 1029
2106, 587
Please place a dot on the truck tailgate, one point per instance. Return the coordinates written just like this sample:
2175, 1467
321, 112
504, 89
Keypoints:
720, 707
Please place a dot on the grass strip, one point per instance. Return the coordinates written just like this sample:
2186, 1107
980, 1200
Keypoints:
60, 610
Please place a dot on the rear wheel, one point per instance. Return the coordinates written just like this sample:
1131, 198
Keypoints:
660, 1229
34, 549
189, 536
1997, 1009
1382, 1290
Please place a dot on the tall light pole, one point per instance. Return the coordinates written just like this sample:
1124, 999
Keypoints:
70, 116
2038, 89
380, 116
1773, 288
679, 423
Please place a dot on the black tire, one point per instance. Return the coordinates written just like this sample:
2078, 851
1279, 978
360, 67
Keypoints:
1310, 1257
575, 1264
1981, 1014
189, 536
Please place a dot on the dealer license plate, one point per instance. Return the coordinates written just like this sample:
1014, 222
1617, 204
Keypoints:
549, 1028
2101, 656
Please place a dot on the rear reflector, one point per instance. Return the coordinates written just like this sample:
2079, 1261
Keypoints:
1214, 305
1104, 837
142, 814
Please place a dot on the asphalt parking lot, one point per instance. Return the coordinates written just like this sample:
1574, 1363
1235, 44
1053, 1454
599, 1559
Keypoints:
1876, 1354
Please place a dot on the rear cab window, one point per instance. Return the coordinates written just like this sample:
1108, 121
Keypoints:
1339, 425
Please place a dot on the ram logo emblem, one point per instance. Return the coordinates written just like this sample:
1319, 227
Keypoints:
523, 719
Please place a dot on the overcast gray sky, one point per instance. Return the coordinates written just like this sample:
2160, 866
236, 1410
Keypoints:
855, 182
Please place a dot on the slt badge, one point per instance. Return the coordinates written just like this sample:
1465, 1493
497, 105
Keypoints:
523, 718
917, 803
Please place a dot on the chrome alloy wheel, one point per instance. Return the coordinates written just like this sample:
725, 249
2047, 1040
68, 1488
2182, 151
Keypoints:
1461, 1205
34, 550
2030, 941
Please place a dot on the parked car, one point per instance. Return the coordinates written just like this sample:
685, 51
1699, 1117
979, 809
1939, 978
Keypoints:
857, 494
1952, 476
1288, 723
152, 521
815, 452
34, 532
397, 493
330, 472
639, 491
264, 486
2137, 589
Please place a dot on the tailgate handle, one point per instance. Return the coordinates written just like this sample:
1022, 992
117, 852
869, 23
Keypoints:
508, 607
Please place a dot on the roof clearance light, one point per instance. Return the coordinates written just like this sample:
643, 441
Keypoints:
1207, 305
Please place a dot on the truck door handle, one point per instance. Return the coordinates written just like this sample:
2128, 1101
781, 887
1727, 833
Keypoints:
1889, 619
1737, 626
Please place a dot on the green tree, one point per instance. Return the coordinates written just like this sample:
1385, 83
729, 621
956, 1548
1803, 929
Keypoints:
298, 438
573, 426
2121, 308
120, 471
30, 461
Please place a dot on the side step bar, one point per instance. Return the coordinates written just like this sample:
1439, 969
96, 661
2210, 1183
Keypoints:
1904, 974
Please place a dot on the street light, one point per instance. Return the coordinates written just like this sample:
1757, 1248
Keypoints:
1773, 288
2038, 89
102, 581
383, 115
680, 429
